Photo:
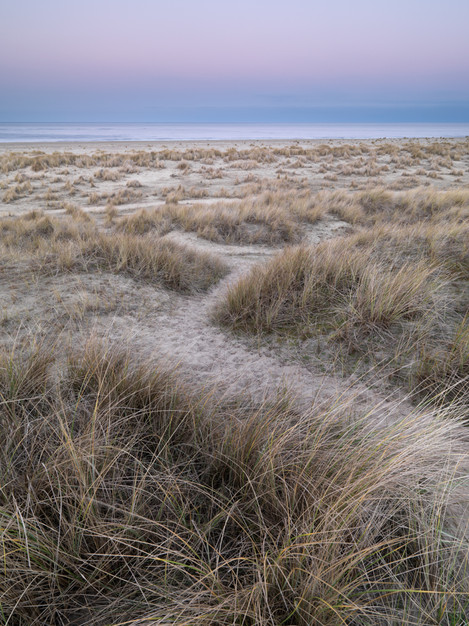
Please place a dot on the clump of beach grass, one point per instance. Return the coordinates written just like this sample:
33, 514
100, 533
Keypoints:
16, 192
76, 244
379, 205
272, 218
444, 245
121, 196
125, 498
400, 293
326, 285
172, 264
442, 371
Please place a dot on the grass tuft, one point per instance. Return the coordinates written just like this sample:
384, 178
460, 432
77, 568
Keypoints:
328, 285
272, 218
77, 244
125, 499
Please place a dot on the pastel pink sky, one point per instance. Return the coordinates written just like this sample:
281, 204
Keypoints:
144, 58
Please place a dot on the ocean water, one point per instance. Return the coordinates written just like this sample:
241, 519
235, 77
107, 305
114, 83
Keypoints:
38, 133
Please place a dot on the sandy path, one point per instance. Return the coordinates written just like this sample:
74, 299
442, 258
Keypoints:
207, 356
176, 330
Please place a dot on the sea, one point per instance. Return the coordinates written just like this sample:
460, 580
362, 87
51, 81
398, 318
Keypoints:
40, 133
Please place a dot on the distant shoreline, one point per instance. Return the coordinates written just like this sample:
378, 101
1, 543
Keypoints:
221, 144
139, 134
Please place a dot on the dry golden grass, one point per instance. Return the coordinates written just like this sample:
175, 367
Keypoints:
122, 196
77, 213
379, 205
16, 192
270, 218
125, 499
133, 183
329, 285
76, 244
105, 174
447, 246
439, 154
442, 371
173, 265
399, 291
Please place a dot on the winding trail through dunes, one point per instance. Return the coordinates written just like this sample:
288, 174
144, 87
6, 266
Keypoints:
162, 326
183, 334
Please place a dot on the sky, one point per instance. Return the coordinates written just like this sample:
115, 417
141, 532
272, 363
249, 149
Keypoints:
234, 61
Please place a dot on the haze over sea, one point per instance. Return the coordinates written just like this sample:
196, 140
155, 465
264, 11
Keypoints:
46, 132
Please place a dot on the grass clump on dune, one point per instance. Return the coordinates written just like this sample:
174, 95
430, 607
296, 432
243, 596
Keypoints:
397, 293
77, 244
326, 286
38, 233
174, 265
446, 246
271, 218
379, 205
125, 499
443, 371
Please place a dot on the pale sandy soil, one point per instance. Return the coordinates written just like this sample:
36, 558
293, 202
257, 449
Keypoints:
178, 329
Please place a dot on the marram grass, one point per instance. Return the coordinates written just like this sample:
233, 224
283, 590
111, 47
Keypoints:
75, 244
125, 499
